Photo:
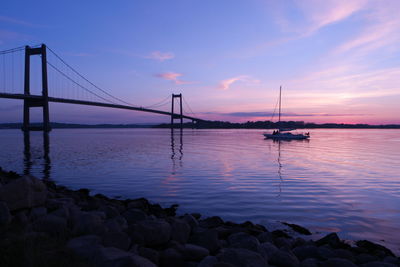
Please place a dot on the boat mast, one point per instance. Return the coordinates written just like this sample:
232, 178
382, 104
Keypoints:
280, 97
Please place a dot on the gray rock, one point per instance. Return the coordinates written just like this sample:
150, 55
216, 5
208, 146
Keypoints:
241, 257
51, 224
150, 254
84, 246
152, 232
283, 242
207, 239
331, 239
310, 262
265, 237
208, 261
211, 222
5, 216
266, 249
24, 192
344, 254
110, 211
89, 223
244, 240
180, 230
283, 258
194, 253
114, 257
171, 258
117, 239
116, 224
337, 262
379, 264
326, 252
365, 258
134, 216
305, 252
37, 213
62, 211
21, 217
391, 259
193, 223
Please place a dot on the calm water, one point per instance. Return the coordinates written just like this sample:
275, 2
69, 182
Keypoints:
347, 181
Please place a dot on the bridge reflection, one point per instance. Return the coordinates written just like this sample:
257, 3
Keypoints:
176, 148
28, 161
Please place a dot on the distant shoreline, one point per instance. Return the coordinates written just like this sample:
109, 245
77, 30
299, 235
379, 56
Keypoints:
213, 125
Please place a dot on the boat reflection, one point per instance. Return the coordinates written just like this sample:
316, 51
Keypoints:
280, 142
28, 162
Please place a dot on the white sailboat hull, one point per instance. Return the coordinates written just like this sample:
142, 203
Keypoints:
286, 136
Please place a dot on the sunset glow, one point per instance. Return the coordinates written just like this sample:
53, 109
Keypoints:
337, 61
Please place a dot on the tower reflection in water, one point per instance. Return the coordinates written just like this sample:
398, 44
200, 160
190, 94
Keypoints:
28, 161
176, 149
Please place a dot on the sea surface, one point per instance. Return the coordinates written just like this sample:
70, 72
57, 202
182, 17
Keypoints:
341, 180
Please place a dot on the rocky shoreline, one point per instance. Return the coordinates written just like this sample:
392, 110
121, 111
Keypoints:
44, 224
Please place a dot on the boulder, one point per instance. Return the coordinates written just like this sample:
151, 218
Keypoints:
374, 248
305, 252
281, 258
116, 224
150, 254
151, 232
265, 237
37, 213
266, 249
379, 264
22, 193
244, 240
89, 223
211, 222
194, 253
208, 261
180, 230
331, 239
337, 262
241, 257
310, 262
117, 239
84, 246
192, 221
114, 257
207, 239
172, 258
5, 216
51, 224
110, 211
134, 216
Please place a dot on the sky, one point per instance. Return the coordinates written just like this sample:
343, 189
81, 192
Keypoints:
336, 60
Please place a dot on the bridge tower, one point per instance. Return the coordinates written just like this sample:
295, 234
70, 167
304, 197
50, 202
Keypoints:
43, 101
173, 115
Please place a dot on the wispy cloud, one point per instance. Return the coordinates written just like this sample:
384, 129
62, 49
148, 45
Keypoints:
20, 22
319, 14
172, 76
226, 84
288, 114
160, 56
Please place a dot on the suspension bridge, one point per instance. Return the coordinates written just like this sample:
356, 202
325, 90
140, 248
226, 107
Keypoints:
58, 82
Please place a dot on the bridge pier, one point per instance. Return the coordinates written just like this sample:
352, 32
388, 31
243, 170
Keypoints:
173, 115
42, 102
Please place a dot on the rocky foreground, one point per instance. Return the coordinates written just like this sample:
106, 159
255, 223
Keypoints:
43, 224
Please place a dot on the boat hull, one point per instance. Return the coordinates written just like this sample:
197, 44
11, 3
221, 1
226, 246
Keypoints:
286, 136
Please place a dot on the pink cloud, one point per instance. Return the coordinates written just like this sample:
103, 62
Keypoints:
160, 56
225, 84
172, 76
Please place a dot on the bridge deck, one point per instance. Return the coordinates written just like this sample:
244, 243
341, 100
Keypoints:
97, 104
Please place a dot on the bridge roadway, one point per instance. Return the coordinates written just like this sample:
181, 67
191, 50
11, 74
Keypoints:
97, 104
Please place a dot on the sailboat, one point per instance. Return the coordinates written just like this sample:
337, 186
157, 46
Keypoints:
284, 134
